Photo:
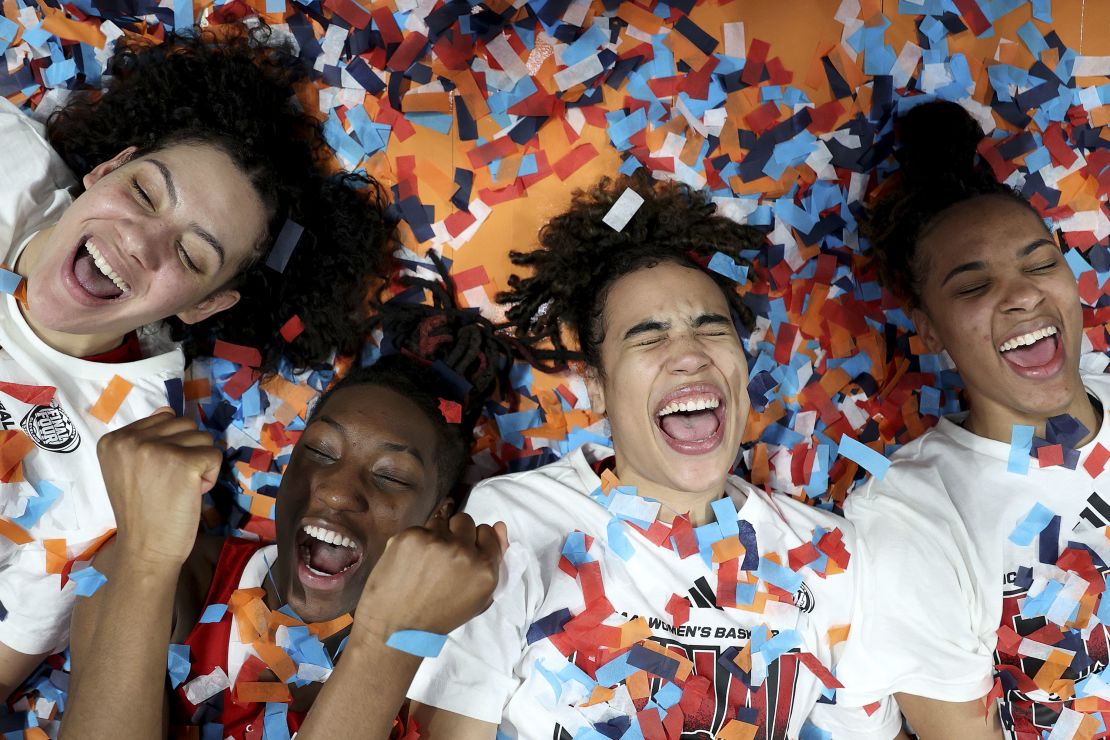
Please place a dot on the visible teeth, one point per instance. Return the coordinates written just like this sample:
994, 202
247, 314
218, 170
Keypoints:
104, 267
1027, 339
329, 536
697, 404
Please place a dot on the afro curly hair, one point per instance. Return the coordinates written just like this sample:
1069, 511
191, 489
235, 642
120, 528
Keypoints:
938, 170
579, 258
227, 88
436, 353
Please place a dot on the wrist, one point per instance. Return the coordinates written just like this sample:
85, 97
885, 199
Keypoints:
138, 555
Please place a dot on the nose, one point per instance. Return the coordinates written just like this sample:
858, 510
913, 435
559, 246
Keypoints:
338, 488
1021, 293
147, 240
688, 356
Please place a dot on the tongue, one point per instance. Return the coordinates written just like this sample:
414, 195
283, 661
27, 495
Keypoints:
1036, 354
688, 426
92, 279
330, 559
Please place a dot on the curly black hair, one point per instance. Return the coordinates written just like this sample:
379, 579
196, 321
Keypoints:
938, 170
227, 87
579, 258
434, 354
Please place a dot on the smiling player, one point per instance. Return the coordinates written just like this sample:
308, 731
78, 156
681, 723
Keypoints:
140, 216
363, 527
601, 623
951, 599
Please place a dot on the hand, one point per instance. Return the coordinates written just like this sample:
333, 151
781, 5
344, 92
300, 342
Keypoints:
156, 470
432, 578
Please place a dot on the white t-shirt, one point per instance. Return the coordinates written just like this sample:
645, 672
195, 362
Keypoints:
494, 670
32, 196
944, 575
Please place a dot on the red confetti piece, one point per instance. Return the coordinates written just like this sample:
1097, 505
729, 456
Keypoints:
38, 395
1050, 455
1096, 460
292, 328
237, 353
451, 411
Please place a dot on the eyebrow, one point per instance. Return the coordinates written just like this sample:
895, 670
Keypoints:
171, 191
652, 325
1027, 250
391, 446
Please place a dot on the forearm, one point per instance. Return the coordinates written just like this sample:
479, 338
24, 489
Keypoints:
365, 691
117, 688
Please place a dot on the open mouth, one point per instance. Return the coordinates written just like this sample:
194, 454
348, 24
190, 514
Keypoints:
1034, 354
325, 557
691, 418
95, 275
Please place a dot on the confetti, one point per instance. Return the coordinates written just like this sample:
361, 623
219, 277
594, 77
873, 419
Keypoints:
417, 642
623, 209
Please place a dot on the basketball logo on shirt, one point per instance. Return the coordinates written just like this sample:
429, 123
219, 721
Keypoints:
51, 429
803, 599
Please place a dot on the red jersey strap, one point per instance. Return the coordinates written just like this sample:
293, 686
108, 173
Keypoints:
129, 351
208, 647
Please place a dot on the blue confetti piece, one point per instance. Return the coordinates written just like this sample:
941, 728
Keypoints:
781, 643
724, 511
88, 580
778, 575
9, 281
213, 613
182, 14
722, 264
871, 461
48, 494
1031, 525
1021, 441
276, 723
417, 642
618, 540
178, 664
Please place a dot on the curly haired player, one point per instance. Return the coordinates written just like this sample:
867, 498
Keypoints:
194, 171
644, 583
363, 520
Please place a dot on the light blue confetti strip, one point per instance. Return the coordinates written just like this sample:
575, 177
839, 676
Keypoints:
88, 581
178, 664
275, 6
725, 513
1031, 525
781, 643
182, 14
276, 725
9, 281
615, 671
811, 731
213, 613
871, 461
722, 264
417, 642
48, 493
779, 575
617, 540
1021, 441
668, 696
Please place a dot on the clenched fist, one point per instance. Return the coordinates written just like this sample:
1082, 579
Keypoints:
156, 470
432, 578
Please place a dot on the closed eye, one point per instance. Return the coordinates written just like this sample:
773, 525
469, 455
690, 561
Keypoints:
392, 479
186, 259
320, 453
1043, 267
971, 290
140, 193
649, 342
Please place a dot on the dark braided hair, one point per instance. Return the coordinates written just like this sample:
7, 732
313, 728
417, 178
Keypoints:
580, 258
434, 354
225, 87
938, 170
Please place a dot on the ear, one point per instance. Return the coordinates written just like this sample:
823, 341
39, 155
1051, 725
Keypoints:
596, 390
210, 306
926, 330
445, 509
111, 165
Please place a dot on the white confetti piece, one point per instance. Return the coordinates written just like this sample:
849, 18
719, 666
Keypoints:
623, 210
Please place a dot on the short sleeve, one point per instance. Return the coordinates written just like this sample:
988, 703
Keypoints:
475, 674
844, 722
38, 608
915, 618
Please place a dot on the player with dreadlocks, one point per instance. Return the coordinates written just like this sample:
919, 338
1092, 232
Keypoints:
957, 621
193, 199
364, 526
615, 579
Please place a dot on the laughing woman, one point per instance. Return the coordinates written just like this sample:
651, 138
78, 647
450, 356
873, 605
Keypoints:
953, 584
154, 209
363, 520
